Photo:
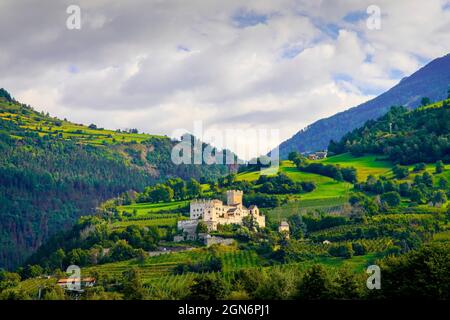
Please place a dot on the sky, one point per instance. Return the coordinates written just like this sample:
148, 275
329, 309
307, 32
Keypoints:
262, 70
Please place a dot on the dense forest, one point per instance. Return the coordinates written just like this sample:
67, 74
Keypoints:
50, 176
404, 136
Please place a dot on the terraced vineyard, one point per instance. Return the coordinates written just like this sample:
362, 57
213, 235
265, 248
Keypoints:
31, 286
144, 209
160, 222
330, 206
163, 265
236, 260
44, 125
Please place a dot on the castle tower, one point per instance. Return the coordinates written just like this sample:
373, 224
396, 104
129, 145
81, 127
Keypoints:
234, 197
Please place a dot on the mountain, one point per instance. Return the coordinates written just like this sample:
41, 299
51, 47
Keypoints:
431, 81
52, 171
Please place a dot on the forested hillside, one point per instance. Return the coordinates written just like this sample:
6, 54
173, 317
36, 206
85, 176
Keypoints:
406, 137
53, 171
432, 81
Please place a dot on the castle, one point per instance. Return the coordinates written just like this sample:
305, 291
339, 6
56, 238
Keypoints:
214, 212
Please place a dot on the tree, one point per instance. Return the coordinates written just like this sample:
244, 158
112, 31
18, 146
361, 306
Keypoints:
425, 101
427, 179
201, 227
404, 189
122, 251
392, 199
400, 172
194, 188
417, 196
179, 188
419, 167
439, 197
209, 287
348, 285
430, 267
8, 280
32, 271
277, 285
297, 226
161, 193
439, 166
293, 155
316, 284
53, 292
57, 258
359, 248
250, 222
344, 251
133, 288
443, 183
78, 257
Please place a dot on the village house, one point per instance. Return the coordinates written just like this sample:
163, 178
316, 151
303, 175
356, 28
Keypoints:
317, 155
283, 227
76, 284
215, 212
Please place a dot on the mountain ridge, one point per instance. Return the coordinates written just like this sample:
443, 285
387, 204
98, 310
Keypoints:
432, 81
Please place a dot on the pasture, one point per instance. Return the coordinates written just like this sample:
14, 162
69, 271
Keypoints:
365, 165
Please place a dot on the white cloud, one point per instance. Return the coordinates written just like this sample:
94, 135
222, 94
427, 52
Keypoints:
161, 65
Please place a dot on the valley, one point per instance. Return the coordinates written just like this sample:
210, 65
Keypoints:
355, 208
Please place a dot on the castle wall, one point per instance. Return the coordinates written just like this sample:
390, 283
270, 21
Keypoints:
234, 197
214, 212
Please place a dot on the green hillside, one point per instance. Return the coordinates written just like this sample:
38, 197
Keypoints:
52, 171
345, 212
403, 136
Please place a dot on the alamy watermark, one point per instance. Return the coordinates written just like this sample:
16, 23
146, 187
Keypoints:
373, 22
250, 144
74, 283
73, 21
374, 280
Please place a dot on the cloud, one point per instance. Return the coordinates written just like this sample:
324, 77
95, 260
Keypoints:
161, 65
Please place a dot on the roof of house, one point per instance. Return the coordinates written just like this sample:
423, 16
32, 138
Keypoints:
72, 280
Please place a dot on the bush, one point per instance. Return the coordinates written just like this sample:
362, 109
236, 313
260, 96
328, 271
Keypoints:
209, 287
343, 251
359, 248
392, 199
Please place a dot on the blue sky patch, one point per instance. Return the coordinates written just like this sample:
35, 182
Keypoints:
244, 18
73, 69
355, 16
182, 48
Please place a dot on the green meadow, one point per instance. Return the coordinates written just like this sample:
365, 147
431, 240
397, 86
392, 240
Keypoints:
142, 210
365, 165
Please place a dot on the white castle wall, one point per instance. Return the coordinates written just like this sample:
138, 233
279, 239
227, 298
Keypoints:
214, 212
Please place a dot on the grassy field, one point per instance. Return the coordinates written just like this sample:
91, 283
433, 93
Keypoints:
326, 188
45, 125
144, 209
355, 263
156, 222
366, 165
